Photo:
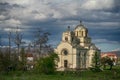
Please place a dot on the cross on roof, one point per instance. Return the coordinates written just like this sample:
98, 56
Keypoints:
80, 22
68, 28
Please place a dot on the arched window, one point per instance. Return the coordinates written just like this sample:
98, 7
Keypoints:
65, 63
66, 38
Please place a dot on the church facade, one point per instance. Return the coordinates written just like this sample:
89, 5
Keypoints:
75, 50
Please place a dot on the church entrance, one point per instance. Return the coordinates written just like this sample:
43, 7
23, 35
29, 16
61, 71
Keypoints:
65, 63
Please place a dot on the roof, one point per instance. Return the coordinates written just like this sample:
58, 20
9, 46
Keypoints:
108, 54
93, 47
29, 55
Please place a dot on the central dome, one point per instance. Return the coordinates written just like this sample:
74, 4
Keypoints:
80, 26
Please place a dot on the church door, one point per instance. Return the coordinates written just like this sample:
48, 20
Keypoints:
65, 63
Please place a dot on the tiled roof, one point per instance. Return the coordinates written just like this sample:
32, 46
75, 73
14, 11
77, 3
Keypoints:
29, 55
109, 54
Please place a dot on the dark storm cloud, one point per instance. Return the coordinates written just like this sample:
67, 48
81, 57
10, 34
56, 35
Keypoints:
117, 3
109, 34
5, 9
6, 6
101, 17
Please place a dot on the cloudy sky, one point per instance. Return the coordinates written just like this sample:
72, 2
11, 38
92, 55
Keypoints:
101, 17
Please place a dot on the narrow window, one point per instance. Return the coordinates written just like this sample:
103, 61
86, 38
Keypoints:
77, 33
81, 33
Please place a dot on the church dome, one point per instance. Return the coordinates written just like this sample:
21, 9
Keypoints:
80, 27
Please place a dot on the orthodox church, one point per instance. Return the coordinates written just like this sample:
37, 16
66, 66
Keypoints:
75, 50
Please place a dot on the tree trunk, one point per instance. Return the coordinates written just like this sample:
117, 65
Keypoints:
111, 67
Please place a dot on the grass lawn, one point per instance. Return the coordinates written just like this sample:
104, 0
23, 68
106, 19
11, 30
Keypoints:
83, 75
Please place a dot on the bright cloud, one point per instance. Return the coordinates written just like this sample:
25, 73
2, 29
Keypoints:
2, 17
98, 4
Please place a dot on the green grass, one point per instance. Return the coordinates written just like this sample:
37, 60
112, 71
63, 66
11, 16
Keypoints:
83, 75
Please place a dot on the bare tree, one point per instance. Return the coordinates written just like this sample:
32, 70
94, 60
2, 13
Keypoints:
0, 41
9, 38
18, 40
41, 39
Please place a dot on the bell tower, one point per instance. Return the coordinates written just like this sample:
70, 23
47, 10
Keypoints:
66, 37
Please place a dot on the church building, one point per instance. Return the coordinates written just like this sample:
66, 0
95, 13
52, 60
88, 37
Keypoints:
75, 51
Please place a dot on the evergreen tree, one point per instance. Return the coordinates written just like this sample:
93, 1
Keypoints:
96, 61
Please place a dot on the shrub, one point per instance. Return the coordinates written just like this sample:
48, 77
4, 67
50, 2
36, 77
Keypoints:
46, 65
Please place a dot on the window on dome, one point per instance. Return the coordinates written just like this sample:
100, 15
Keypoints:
81, 33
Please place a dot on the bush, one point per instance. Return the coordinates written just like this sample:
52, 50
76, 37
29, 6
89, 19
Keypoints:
46, 65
